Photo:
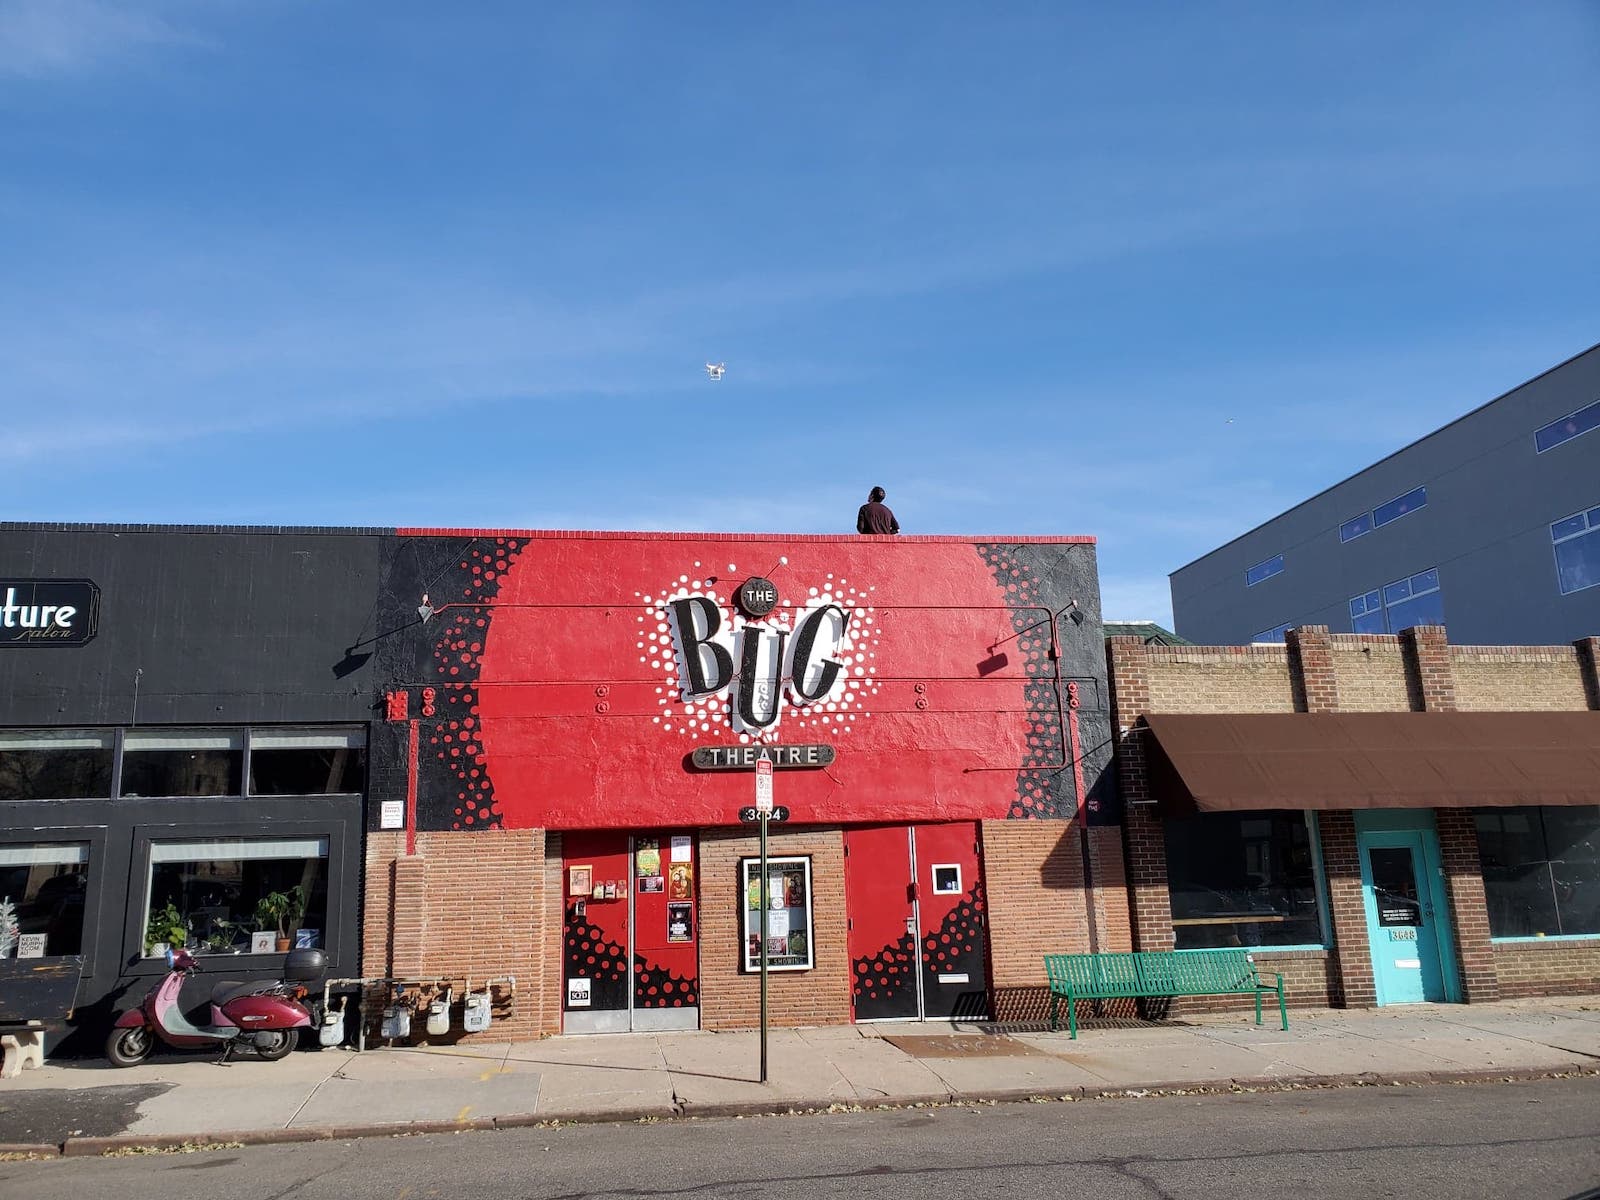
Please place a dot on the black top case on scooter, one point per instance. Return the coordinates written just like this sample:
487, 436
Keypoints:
304, 965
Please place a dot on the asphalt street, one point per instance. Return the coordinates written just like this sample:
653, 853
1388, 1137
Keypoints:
1536, 1140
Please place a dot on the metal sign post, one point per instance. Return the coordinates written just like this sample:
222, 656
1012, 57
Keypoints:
763, 812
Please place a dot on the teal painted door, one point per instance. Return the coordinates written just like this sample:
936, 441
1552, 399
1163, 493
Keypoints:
1406, 917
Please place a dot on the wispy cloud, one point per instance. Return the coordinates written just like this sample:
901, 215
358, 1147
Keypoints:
46, 37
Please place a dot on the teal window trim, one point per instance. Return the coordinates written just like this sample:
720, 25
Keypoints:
1301, 949
1554, 937
1319, 878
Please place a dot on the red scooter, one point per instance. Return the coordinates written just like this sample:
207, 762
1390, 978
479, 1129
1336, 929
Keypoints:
267, 1016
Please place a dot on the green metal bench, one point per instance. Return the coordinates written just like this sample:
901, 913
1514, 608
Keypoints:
1075, 977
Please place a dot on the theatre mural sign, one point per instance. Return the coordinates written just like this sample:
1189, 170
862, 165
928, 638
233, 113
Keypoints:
48, 612
617, 680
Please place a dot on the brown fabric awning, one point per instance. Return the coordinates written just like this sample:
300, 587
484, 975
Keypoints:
1226, 762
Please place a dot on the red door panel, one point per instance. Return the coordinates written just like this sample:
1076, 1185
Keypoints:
596, 939
882, 945
914, 896
666, 921
950, 902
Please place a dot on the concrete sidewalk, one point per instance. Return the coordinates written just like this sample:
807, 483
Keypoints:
86, 1106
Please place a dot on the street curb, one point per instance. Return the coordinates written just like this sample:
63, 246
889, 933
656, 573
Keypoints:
82, 1147
614, 1116
796, 1107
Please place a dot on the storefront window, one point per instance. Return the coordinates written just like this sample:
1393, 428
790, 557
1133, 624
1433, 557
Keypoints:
182, 762
1541, 870
237, 895
307, 762
788, 903
55, 764
42, 889
1242, 879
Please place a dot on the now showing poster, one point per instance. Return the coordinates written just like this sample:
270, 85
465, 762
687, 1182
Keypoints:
680, 922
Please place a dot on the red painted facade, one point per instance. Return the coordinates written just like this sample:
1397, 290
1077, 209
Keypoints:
561, 663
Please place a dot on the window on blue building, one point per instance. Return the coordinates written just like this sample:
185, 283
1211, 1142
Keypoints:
1265, 569
1567, 428
1414, 600
1577, 543
1366, 614
1401, 505
1355, 527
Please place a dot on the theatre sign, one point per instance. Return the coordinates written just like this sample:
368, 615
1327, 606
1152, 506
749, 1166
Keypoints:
48, 612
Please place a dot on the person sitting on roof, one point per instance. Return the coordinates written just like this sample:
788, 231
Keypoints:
875, 516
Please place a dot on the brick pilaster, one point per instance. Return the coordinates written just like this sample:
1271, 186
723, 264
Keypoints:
1469, 910
1144, 840
1316, 688
1350, 975
408, 916
1589, 664
1430, 675
1128, 675
1146, 847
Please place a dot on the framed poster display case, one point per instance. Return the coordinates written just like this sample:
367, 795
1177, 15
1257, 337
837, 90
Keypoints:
788, 902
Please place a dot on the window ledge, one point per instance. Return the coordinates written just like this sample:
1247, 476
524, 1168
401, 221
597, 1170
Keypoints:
1542, 941
1307, 952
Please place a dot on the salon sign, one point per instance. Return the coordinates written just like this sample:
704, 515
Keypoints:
48, 612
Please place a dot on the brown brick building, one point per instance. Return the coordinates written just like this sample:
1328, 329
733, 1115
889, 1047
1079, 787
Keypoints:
1386, 818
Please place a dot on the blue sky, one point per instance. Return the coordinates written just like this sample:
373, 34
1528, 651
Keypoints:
1148, 272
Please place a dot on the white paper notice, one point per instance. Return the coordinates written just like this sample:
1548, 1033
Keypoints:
778, 923
392, 814
680, 849
30, 945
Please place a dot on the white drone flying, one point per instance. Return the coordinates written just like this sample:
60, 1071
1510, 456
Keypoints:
715, 370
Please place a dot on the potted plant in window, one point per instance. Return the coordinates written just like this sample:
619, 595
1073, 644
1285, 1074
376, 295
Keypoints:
166, 927
281, 911
10, 930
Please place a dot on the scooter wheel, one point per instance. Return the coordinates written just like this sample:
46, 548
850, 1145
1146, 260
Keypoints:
129, 1045
274, 1045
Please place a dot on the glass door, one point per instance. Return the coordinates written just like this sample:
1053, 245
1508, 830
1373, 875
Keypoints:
1404, 918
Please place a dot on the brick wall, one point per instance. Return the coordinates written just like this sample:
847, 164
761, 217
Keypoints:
1309, 980
1371, 674
1430, 669
1547, 968
1518, 678
1038, 904
1469, 911
465, 907
1351, 983
1218, 679
1113, 910
730, 999
1314, 679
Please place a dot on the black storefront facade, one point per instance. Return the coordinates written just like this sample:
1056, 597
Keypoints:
180, 754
